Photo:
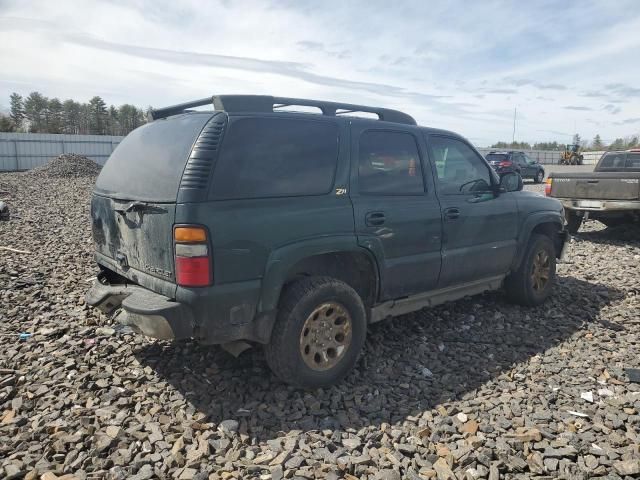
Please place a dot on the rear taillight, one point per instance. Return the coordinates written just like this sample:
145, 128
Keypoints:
193, 259
505, 164
547, 187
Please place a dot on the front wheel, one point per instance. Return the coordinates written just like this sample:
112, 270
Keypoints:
532, 283
539, 177
318, 334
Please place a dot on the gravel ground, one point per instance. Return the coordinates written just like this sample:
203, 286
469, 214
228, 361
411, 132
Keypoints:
475, 389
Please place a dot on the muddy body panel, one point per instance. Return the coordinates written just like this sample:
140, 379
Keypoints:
596, 185
136, 235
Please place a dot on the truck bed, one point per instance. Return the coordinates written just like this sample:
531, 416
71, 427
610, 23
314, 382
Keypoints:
596, 185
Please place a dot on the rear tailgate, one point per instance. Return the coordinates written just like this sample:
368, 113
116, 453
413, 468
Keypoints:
136, 235
134, 202
596, 185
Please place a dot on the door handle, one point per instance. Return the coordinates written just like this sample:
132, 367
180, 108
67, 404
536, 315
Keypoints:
451, 213
374, 219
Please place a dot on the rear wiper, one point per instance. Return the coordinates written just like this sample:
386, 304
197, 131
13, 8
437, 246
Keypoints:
139, 207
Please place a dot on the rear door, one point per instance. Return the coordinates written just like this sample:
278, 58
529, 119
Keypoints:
479, 228
134, 202
397, 215
521, 164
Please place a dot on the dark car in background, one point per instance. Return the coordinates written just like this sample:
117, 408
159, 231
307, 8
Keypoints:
519, 162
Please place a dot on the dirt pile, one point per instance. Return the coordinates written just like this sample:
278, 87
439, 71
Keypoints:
67, 165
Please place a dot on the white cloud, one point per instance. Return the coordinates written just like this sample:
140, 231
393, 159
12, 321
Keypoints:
462, 68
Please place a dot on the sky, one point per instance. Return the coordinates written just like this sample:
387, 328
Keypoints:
565, 67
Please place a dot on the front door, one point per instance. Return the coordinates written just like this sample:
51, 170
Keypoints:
479, 228
397, 214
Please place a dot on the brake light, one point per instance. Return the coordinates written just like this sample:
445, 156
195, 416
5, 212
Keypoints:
193, 259
506, 163
547, 186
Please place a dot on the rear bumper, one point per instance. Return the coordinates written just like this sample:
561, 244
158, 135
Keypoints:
214, 315
146, 312
589, 205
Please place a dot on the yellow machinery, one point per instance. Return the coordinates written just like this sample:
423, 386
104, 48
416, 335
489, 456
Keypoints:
572, 155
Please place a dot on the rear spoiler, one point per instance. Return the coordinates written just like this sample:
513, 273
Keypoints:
268, 104
177, 109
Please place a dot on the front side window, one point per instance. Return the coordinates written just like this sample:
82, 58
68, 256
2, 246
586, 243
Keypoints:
263, 157
460, 170
389, 164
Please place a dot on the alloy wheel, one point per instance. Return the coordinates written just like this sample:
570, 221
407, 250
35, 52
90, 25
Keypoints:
541, 270
325, 336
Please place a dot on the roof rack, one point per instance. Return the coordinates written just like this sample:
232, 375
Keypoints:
269, 104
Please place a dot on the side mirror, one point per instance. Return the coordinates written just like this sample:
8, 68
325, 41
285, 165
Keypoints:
511, 182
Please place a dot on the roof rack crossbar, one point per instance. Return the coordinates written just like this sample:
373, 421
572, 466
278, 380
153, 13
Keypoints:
267, 104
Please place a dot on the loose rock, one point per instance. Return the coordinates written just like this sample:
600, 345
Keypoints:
103, 402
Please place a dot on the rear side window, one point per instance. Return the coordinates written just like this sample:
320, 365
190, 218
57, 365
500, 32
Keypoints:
389, 164
276, 157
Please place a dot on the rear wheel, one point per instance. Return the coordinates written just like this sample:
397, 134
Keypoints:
532, 283
573, 222
318, 334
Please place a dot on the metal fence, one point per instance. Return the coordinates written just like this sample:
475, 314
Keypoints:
23, 151
550, 157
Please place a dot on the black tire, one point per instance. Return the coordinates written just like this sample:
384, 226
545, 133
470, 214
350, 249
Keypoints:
614, 222
573, 222
298, 302
520, 285
539, 176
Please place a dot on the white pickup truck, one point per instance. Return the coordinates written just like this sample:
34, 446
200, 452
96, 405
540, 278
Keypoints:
609, 194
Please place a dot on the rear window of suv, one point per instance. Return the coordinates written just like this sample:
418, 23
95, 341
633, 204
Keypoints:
276, 157
497, 157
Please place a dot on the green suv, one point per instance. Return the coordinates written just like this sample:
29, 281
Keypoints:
255, 223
